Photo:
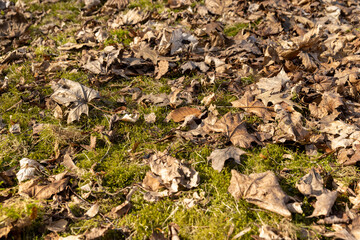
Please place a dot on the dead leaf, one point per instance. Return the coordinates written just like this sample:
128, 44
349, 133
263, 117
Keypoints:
162, 68
96, 232
33, 190
232, 126
219, 156
93, 210
57, 226
179, 114
74, 95
172, 173
312, 185
253, 106
274, 84
150, 118
28, 169
261, 189
121, 210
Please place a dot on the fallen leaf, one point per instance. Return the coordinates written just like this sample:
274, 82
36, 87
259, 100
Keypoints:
233, 127
261, 189
120, 210
312, 185
274, 84
179, 114
93, 210
57, 226
74, 95
33, 190
172, 173
96, 232
219, 156
28, 169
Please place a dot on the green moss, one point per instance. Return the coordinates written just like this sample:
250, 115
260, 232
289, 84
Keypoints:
148, 4
118, 36
233, 30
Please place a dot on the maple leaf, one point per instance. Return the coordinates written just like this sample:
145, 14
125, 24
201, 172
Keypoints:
74, 95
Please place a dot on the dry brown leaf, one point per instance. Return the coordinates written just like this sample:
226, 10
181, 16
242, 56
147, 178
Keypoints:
232, 126
172, 172
33, 190
150, 118
74, 95
261, 189
256, 107
162, 68
290, 126
274, 84
219, 156
312, 185
121, 210
179, 114
152, 182
93, 210
218, 6
57, 226
331, 103
96, 232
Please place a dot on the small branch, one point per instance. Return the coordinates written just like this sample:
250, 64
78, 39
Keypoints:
14, 106
102, 110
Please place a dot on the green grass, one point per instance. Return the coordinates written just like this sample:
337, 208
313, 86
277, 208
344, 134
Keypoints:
118, 167
118, 36
233, 30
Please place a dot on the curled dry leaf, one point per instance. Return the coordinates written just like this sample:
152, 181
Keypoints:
120, 210
28, 169
57, 226
93, 210
172, 172
261, 189
219, 156
233, 127
97, 232
274, 84
74, 95
179, 114
34, 190
150, 118
312, 185
253, 106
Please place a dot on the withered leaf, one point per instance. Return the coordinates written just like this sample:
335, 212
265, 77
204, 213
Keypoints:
74, 95
152, 182
232, 126
33, 190
28, 169
312, 185
120, 210
179, 114
274, 84
219, 156
58, 226
172, 172
253, 106
261, 189
93, 210
96, 232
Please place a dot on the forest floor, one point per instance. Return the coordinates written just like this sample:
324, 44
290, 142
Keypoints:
179, 119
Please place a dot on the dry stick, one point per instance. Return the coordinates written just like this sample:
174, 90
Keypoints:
14, 106
81, 198
271, 108
106, 111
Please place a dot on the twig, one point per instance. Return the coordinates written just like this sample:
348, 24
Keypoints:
14, 106
102, 110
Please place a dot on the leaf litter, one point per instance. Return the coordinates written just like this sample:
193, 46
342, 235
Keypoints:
292, 66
